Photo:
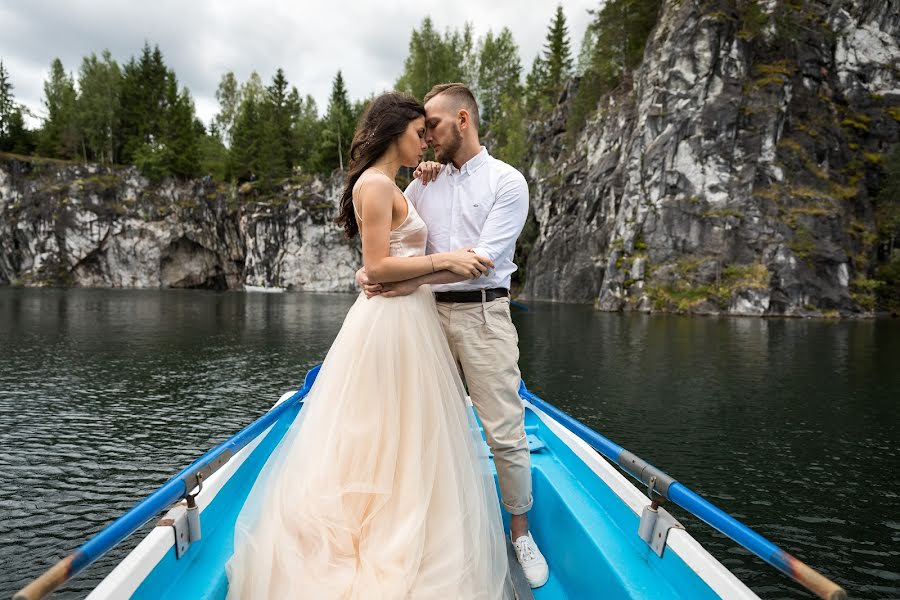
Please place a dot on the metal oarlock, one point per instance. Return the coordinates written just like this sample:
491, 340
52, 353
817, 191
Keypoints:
656, 521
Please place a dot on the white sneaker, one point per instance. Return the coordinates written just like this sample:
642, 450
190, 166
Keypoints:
533, 562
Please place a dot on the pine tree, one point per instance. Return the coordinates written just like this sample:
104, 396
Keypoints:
7, 109
337, 129
60, 135
280, 107
180, 134
243, 159
143, 101
551, 69
557, 56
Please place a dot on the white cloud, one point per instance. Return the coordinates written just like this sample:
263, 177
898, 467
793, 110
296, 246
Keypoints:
203, 40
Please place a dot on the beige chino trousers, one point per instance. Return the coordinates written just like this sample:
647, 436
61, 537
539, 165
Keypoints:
485, 346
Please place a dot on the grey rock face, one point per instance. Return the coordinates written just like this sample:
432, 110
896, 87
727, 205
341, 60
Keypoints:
733, 175
74, 225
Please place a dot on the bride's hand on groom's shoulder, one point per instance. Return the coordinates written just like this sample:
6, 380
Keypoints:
428, 171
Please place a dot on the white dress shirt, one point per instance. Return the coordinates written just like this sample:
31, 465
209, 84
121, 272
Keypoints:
482, 206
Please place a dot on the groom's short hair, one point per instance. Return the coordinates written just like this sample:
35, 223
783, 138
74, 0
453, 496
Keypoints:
461, 95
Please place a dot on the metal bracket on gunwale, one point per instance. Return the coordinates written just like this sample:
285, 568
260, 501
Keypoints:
185, 518
655, 525
177, 519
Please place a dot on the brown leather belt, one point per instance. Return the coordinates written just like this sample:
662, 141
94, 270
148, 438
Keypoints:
472, 295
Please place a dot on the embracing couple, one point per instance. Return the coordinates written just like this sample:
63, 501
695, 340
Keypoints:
383, 488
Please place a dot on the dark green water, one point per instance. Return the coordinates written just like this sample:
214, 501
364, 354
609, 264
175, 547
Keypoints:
791, 425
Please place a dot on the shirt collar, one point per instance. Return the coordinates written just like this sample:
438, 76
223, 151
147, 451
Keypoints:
471, 165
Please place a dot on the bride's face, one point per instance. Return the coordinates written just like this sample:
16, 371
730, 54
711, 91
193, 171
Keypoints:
411, 145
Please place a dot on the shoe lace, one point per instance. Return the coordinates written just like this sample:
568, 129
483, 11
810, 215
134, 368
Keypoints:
524, 550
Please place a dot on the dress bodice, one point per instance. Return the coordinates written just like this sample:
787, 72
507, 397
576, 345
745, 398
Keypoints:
408, 239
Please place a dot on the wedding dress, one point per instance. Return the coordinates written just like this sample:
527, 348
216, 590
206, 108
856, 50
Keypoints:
382, 489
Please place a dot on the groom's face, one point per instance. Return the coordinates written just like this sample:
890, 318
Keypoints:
442, 129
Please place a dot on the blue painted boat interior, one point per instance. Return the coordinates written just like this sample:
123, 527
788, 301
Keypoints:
587, 533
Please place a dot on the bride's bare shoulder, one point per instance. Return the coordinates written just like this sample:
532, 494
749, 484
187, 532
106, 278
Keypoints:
373, 188
372, 178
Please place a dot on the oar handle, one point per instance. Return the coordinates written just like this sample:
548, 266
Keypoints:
814, 581
49, 580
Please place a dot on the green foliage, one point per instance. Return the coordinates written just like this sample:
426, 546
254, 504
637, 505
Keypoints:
181, 131
499, 74
689, 292
7, 104
336, 134
752, 19
143, 99
60, 136
524, 246
247, 139
511, 143
888, 293
619, 33
552, 68
887, 221
98, 107
803, 244
14, 136
306, 127
228, 94
213, 157
436, 59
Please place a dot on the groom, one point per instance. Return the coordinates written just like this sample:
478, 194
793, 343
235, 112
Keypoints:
478, 202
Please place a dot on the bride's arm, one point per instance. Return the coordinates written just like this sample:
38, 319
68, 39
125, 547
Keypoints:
376, 199
403, 288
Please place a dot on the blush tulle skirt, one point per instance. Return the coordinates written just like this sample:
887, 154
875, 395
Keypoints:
382, 488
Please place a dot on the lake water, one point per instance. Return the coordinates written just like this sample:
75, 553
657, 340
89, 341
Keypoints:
793, 426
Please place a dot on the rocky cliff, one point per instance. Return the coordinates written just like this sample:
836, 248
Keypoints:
734, 172
63, 224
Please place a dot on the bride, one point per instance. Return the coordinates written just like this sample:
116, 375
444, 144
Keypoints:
382, 489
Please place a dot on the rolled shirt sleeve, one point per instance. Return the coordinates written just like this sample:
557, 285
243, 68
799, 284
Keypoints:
506, 218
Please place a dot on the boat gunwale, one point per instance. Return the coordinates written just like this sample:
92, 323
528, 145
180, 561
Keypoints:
707, 567
130, 573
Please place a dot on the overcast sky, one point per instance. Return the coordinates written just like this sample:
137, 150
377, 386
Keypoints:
203, 39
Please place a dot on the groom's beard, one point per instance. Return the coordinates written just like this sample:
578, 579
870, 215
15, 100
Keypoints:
447, 151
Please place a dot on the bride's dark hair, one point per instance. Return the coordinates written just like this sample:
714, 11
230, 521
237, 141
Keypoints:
385, 119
